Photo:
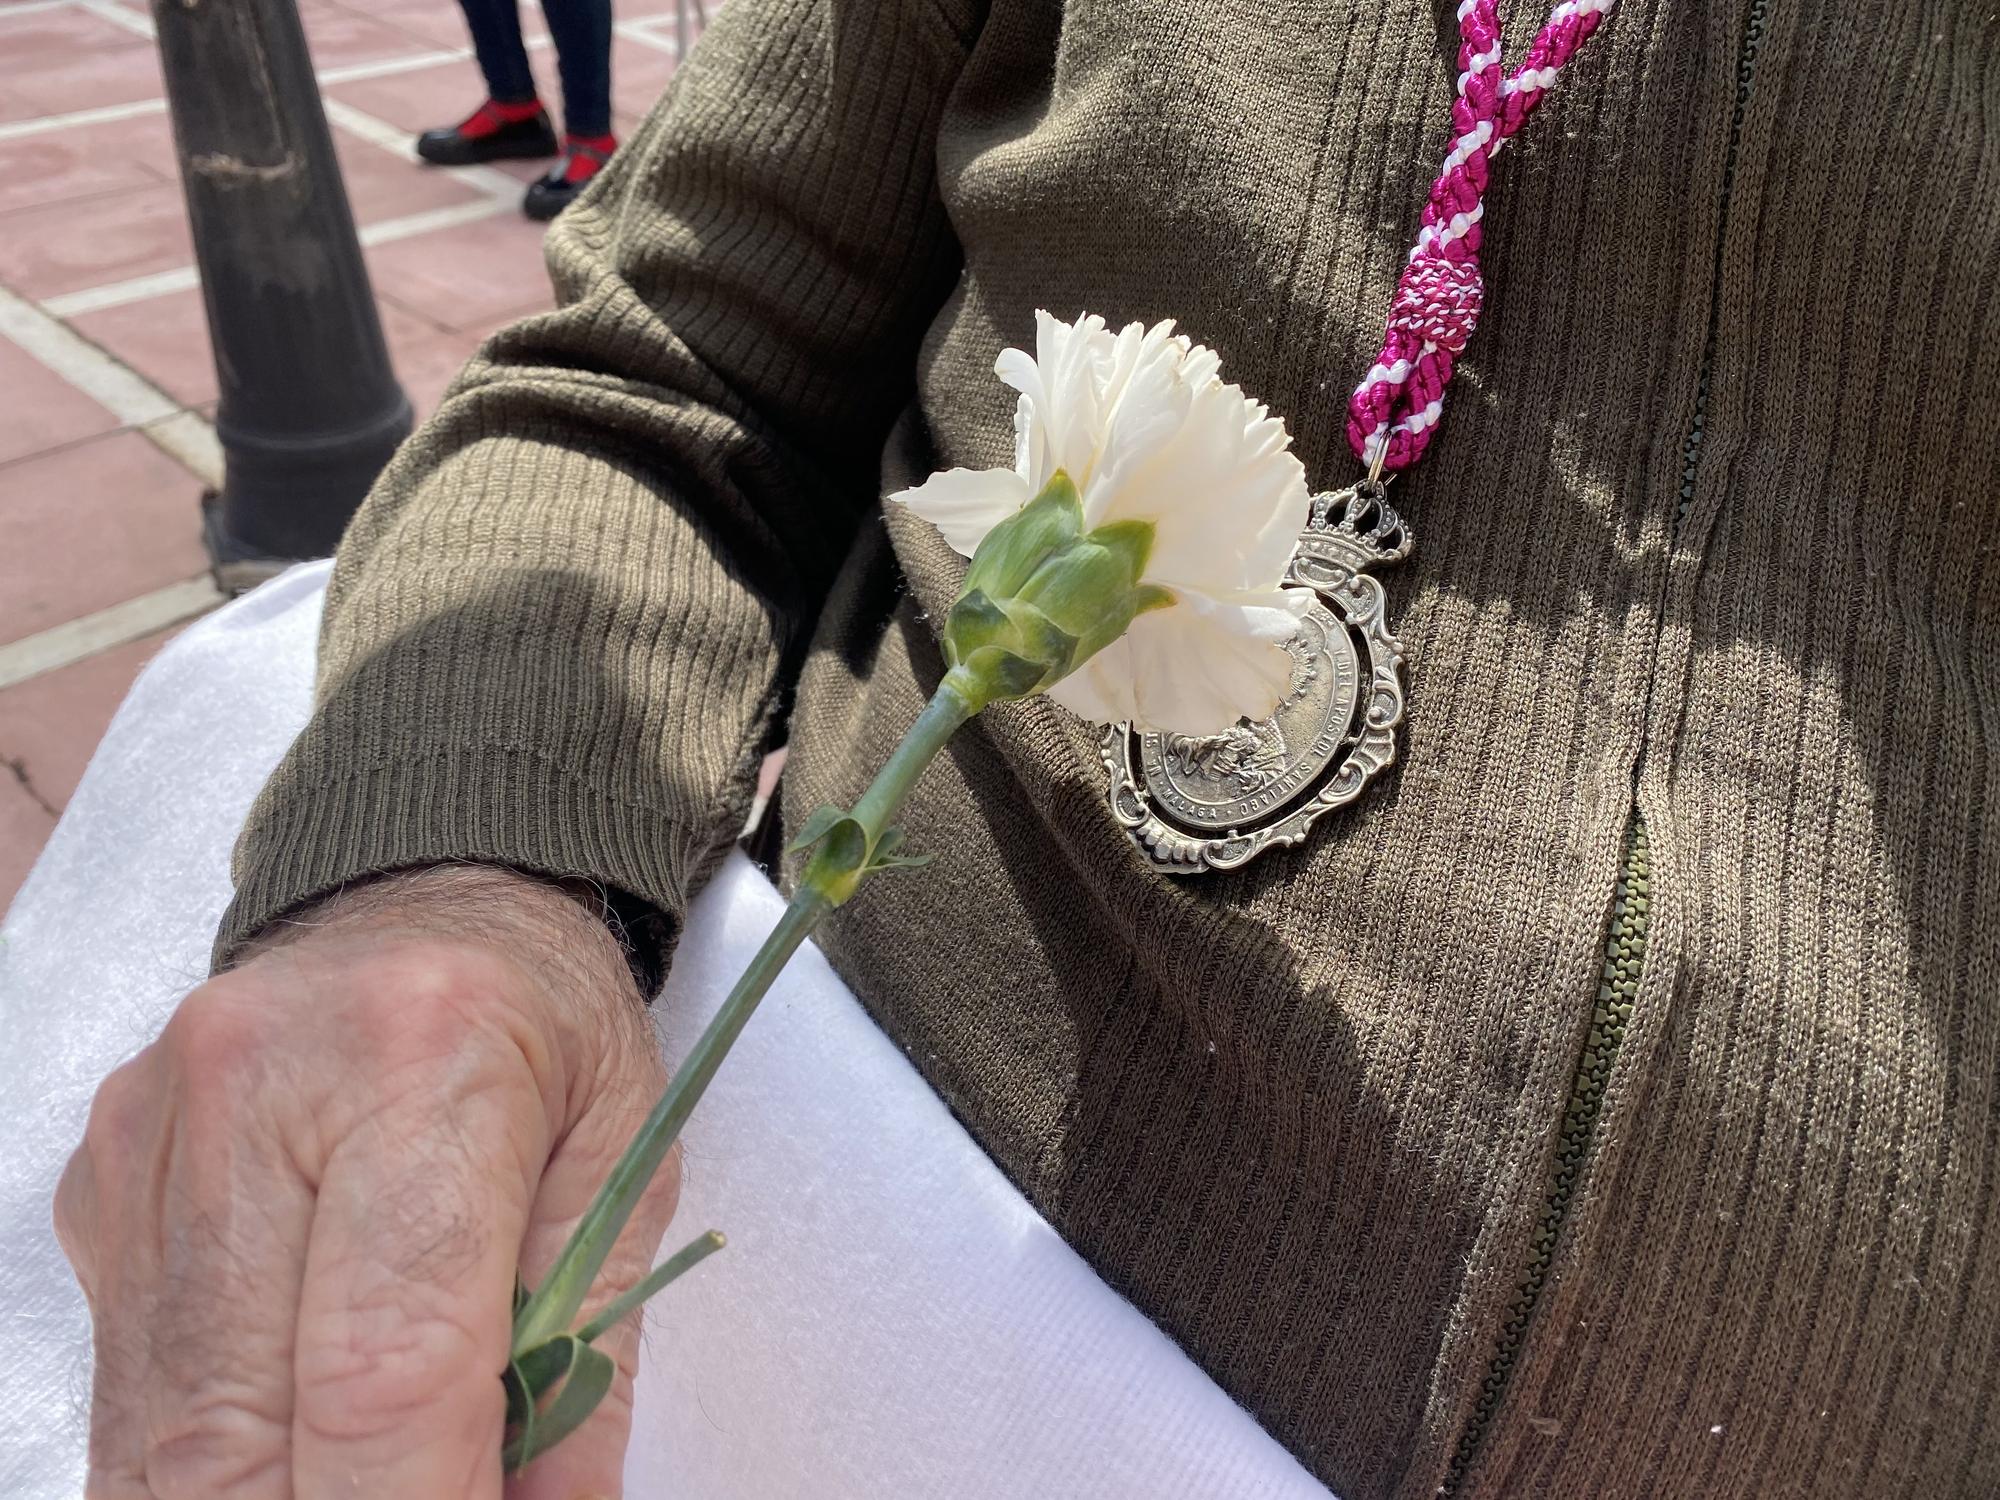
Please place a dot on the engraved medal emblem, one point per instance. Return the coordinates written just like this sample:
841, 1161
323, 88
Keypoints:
1213, 802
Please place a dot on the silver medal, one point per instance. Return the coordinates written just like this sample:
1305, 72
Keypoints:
1213, 802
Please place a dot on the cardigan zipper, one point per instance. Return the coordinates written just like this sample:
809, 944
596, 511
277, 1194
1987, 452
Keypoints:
1625, 948
1617, 985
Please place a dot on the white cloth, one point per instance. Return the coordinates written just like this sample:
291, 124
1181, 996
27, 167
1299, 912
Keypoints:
891, 1317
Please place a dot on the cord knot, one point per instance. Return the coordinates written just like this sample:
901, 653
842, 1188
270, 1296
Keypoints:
1439, 301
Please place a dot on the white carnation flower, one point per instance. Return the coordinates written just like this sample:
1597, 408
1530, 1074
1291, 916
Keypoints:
1143, 425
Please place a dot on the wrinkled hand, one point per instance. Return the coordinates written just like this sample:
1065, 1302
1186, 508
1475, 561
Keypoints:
298, 1214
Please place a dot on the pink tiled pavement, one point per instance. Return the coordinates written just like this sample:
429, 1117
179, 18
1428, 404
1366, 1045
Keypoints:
92, 512
341, 38
430, 273
96, 64
381, 186
117, 505
166, 340
55, 43
42, 411
86, 161
66, 247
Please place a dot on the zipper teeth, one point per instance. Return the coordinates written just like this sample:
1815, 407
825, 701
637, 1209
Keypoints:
1746, 71
1618, 985
1625, 948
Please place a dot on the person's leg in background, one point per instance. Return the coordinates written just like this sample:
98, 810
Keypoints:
511, 123
582, 32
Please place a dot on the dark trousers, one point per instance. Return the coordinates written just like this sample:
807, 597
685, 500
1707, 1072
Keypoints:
582, 32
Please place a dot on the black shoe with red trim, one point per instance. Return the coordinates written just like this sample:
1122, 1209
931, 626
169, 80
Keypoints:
492, 132
583, 158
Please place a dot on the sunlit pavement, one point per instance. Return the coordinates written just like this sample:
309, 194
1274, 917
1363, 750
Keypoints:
106, 383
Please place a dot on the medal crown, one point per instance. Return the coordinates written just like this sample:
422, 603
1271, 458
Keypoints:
1359, 526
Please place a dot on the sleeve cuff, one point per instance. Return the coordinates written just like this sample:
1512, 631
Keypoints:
489, 805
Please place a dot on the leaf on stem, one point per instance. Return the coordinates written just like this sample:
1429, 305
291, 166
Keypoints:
817, 827
585, 1374
667, 1271
888, 853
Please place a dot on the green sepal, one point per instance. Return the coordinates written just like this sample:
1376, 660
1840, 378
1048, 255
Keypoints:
1009, 648
1011, 551
974, 623
1039, 637
1087, 590
586, 1376
1000, 673
1042, 595
1131, 542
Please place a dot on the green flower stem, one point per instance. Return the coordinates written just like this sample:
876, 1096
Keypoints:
556, 1302
957, 699
554, 1305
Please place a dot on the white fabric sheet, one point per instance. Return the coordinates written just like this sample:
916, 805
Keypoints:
891, 1317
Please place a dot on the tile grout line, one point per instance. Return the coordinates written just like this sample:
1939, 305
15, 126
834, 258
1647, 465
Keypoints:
190, 440
636, 31
111, 383
117, 15
183, 435
182, 278
109, 114
120, 624
77, 119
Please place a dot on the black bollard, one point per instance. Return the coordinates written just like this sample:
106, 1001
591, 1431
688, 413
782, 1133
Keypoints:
310, 408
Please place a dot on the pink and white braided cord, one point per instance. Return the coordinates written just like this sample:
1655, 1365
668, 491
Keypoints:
1438, 299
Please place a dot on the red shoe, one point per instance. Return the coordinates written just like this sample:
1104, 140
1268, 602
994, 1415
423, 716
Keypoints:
583, 158
492, 132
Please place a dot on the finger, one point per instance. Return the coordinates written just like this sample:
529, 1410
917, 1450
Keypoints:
75, 1212
116, 1450
230, 1229
235, 1224
116, 1463
405, 1312
109, 1178
591, 1461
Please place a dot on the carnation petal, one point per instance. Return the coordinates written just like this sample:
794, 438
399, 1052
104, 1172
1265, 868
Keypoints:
965, 504
1202, 664
1101, 690
1222, 488
1031, 444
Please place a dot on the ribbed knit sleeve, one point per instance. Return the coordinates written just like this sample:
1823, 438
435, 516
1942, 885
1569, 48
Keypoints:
558, 627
